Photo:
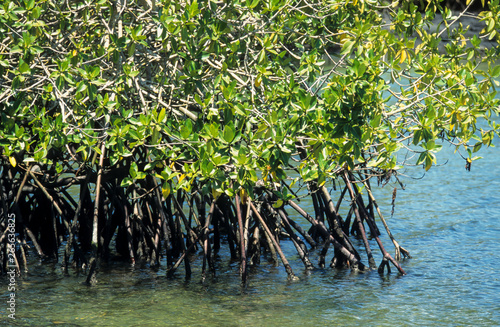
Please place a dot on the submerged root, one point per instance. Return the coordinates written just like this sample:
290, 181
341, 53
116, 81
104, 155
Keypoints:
145, 224
400, 250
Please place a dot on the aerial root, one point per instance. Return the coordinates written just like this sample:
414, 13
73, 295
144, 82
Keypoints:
144, 224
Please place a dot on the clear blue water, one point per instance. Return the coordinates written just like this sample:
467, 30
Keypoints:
449, 220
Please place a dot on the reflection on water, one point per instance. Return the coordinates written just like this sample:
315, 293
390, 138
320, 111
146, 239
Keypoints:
449, 221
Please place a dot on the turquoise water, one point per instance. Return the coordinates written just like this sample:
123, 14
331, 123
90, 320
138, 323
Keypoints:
449, 220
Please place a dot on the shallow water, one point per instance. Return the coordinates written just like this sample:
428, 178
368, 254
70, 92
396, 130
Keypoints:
449, 220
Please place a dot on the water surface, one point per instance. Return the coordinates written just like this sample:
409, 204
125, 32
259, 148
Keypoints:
449, 220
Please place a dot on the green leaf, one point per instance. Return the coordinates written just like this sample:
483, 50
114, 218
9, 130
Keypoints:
262, 57
186, 129
16, 49
166, 189
228, 133
24, 68
92, 92
30, 4
81, 86
95, 72
421, 157
214, 130
156, 135
252, 3
278, 204
161, 115
228, 91
36, 49
229, 192
496, 71
347, 47
375, 121
430, 158
133, 170
477, 147
126, 182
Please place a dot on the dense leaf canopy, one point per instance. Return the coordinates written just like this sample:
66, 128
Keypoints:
227, 93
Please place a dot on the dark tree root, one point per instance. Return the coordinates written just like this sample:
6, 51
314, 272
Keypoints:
92, 275
352, 259
288, 268
144, 224
384, 264
399, 249
243, 251
373, 230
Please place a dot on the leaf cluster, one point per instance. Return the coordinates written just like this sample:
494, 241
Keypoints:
217, 95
